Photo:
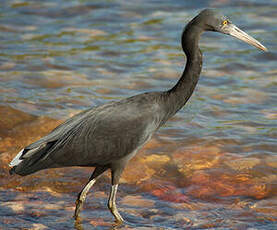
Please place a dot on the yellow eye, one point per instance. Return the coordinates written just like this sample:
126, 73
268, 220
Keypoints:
225, 22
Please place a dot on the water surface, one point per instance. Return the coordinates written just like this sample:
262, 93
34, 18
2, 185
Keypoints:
212, 166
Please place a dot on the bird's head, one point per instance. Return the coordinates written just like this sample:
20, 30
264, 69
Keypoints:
211, 20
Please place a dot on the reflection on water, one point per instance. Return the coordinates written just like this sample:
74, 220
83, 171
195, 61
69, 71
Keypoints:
212, 166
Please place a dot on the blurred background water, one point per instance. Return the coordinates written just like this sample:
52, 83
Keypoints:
212, 166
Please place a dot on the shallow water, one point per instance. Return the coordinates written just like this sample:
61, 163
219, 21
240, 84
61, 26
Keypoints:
212, 166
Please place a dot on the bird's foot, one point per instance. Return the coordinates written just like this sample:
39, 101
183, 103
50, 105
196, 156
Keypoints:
79, 205
78, 223
118, 218
118, 222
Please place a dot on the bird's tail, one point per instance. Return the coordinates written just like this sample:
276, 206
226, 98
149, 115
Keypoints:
28, 161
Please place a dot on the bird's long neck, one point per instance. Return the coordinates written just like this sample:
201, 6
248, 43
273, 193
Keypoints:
182, 91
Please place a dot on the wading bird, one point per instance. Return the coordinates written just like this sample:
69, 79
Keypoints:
109, 135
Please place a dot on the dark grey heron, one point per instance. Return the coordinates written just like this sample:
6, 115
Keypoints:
108, 136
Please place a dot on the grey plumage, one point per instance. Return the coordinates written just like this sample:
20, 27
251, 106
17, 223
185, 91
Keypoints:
97, 136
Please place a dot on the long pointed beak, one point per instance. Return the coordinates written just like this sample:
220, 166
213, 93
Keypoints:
234, 31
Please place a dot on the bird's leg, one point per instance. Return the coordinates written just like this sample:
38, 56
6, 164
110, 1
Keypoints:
82, 195
112, 205
116, 173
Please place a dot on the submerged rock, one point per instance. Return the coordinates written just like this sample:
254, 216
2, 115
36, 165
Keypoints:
271, 161
194, 158
136, 200
243, 164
